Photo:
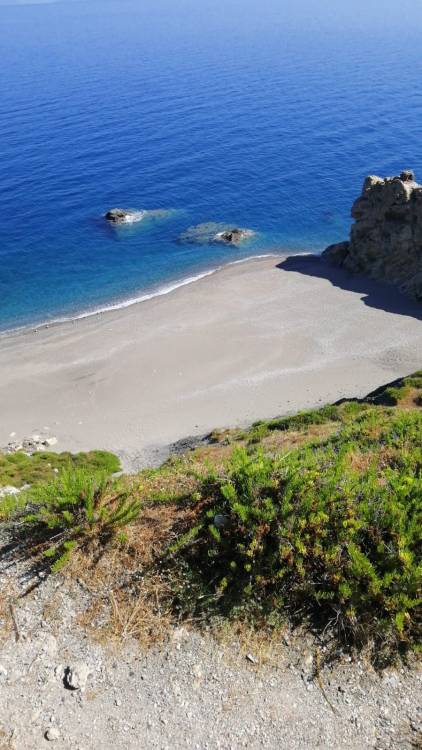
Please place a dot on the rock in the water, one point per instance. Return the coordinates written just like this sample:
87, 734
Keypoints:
123, 215
205, 234
233, 236
76, 676
386, 238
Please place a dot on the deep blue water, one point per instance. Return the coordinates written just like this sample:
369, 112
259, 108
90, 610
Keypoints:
224, 112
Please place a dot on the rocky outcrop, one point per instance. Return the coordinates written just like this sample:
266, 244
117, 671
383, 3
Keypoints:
386, 238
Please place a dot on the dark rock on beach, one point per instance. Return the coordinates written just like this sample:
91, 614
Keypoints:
386, 238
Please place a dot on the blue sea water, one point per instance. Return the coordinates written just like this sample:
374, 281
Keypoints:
265, 115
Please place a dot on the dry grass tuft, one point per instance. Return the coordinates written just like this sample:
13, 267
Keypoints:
130, 597
216, 455
264, 645
167, 484
361, 461
280, 441
145, 617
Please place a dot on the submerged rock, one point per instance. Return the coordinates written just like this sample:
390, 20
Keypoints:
386, 238
123, 215
205, 234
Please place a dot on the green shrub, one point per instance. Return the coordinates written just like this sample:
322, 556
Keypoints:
305, 419
312, 533
393, 395
10, 505
415, 381
77, 509
18, 469
257, 433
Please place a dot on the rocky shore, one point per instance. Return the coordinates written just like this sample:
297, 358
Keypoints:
386, 238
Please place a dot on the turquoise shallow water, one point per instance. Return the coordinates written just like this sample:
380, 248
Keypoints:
239, 114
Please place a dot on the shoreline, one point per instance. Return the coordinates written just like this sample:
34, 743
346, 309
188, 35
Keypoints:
160, 291
253, 340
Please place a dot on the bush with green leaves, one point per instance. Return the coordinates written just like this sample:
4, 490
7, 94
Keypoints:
333, 532
77, 509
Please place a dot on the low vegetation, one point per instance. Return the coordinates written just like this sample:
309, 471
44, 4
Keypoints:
18, 469
77, 510
331, 532
313, 519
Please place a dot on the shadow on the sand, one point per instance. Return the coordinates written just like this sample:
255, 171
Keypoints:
374, 294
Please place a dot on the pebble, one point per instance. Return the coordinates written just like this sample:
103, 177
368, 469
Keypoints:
76, 676
52, 734
251, 658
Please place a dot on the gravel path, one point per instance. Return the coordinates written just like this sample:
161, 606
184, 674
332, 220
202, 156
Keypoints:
58, 686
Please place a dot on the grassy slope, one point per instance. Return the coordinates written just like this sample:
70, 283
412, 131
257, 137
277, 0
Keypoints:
314, 518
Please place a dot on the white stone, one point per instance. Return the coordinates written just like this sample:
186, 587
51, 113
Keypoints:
9, 490
77, 676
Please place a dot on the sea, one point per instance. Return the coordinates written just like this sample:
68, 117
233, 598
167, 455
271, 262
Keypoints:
264, 115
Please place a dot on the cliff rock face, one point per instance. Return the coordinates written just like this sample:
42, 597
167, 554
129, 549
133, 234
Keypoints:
386, 238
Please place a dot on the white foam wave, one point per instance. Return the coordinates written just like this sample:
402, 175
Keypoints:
132, 218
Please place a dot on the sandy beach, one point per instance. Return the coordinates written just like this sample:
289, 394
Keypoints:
256, 339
